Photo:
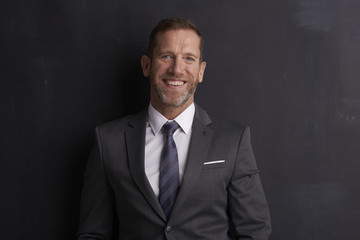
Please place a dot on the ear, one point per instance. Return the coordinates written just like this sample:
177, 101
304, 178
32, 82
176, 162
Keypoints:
145, 64
201, 71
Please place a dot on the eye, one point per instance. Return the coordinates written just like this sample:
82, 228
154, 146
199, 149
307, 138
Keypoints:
190, 59
165, 57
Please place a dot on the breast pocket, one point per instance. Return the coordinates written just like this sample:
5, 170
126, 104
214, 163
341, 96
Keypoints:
221, 163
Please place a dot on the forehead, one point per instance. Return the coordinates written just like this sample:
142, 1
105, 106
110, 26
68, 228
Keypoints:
179, 38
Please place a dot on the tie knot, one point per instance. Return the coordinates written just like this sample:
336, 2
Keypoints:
170, 128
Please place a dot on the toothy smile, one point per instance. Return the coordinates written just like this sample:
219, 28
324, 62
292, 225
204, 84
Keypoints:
175, 83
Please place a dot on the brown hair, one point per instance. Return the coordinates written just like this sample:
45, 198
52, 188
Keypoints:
174, 23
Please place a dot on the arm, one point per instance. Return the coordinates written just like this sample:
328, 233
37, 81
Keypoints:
248, 209
97, 202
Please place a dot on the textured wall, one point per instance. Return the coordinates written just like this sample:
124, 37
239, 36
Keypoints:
288, 68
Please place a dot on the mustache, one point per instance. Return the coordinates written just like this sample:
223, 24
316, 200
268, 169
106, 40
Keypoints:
173, 75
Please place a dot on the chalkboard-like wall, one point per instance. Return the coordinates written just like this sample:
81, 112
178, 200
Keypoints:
288, 68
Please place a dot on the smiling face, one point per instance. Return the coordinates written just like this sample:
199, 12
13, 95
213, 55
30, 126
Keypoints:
174, 71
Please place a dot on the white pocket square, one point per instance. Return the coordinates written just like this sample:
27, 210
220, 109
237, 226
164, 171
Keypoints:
214, 162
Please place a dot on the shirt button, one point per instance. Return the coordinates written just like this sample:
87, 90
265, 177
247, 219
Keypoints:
168, 229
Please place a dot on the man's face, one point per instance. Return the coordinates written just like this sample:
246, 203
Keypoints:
175, 69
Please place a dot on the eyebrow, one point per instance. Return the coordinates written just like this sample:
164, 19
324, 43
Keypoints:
185, 54
191, 54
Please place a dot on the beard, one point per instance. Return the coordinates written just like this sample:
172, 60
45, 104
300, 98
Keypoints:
172, 98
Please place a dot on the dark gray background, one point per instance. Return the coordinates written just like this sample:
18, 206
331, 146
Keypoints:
289, 69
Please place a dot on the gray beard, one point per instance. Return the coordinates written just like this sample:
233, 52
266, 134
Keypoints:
180, 101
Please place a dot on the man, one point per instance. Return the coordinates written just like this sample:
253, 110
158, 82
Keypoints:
172, 171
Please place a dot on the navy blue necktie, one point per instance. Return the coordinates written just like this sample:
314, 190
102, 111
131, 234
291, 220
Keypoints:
169, 170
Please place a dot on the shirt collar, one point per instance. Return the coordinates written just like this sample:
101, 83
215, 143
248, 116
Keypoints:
157, 120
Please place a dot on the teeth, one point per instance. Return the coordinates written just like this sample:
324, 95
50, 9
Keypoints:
175, 83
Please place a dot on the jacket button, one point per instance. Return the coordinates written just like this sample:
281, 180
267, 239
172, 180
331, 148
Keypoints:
168, 229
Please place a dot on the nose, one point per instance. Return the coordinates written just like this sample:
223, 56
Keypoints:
176, 66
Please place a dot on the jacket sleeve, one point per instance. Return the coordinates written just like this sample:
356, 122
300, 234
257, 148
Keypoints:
97, 201
248, 210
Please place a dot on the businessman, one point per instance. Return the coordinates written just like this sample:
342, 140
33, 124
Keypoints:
173, 171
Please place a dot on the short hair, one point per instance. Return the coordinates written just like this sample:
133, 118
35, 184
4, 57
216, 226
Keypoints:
174, 23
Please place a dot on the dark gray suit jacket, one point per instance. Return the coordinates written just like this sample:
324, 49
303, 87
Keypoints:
217, 201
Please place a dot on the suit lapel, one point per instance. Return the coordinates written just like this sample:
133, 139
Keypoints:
135, 143
199, 146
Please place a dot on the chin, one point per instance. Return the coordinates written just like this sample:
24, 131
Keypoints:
175, 102
179, 103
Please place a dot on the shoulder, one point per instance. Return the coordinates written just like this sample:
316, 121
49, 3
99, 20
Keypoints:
122, 124
217, 122
229, 129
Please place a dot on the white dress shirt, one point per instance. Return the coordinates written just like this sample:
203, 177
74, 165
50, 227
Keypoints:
155, 140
